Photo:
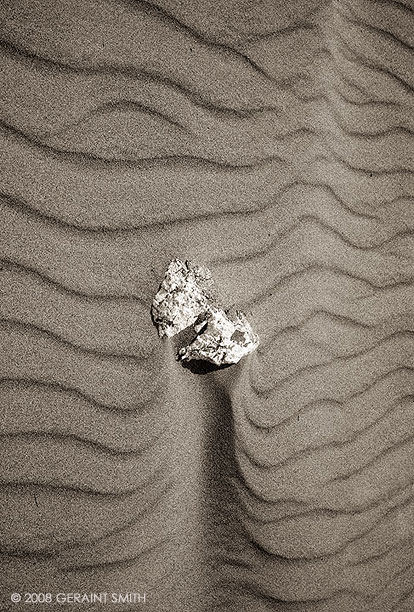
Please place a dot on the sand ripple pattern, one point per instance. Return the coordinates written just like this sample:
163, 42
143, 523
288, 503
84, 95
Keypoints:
272, 142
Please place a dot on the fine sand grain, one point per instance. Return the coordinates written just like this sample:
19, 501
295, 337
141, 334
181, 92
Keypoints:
272, 142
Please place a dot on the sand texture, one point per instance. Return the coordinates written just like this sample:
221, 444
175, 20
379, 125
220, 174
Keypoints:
272, 142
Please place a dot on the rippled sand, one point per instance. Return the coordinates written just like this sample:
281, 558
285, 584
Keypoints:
272, 142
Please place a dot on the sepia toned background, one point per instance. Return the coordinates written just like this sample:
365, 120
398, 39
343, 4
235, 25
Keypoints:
272, 142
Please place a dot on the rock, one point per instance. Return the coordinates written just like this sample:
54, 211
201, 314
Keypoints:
223, 339
182, 297
186, 298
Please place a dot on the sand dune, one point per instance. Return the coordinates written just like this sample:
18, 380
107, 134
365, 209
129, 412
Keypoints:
273, 143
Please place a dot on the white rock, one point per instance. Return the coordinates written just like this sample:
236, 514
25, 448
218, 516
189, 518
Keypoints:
182, 297
186, 298
224, 339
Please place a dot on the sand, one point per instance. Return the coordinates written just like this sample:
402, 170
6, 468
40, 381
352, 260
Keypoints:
271, 142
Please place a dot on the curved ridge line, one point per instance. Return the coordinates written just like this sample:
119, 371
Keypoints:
363, 136
357, 169
360, 88
396, 130
316, 267
405, 596
384, 452
82, 490
75, 157
401, 572
309, 405
403, 198
68, 290
114, 564
51, 552
381, 555
308, 451
137, 73
381, 32
27, 325
285, 31
303, 221
399, 5
272, 501
248, 37
312, 315
342, 76
108, 108
330, 190
329, 514
344, 546
20, 204
125, 105
263, 593
392, 509
301, 560
61, 436
371, 102
367, 63
154, 9
213, 43
362, 508
338, 359
26, 381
